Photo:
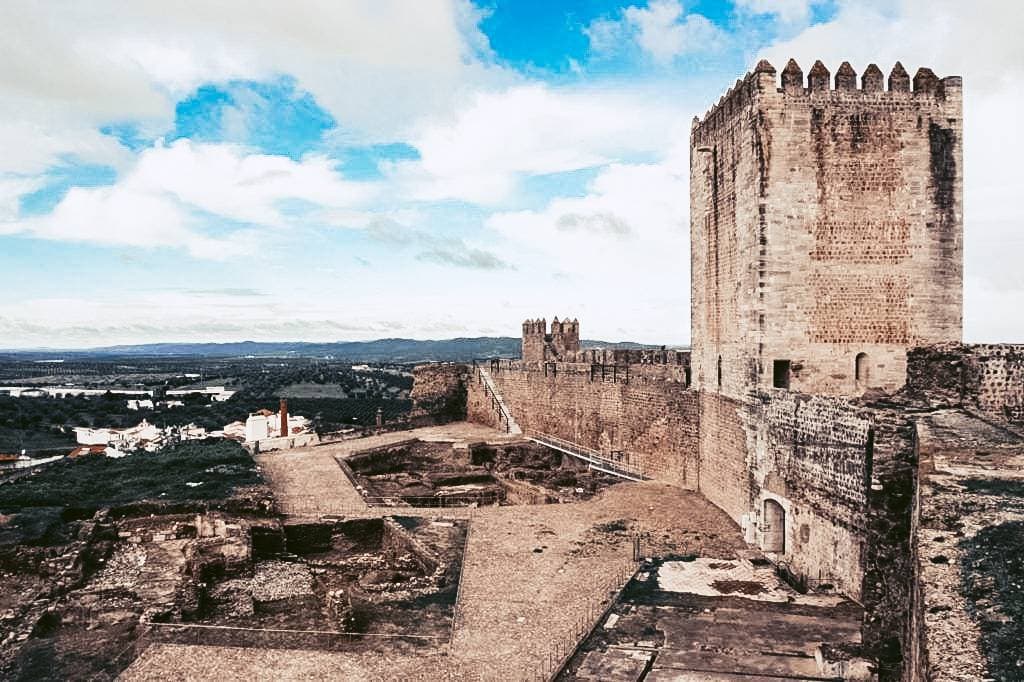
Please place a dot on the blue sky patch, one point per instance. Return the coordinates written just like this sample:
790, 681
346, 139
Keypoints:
128, 134
538, 190
274, 116
363, 163
540, 33
59, 180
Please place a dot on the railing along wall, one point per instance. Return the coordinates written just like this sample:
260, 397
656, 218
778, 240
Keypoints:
617, 465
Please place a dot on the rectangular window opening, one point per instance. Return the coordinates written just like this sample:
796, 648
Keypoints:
780, 374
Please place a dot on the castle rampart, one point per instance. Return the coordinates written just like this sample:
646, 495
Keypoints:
810, 455
642, 415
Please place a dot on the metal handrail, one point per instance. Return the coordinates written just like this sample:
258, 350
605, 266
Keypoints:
485, 379
593, 457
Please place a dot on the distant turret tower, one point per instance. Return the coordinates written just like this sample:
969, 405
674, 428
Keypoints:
540, 346
565, 337
533, 340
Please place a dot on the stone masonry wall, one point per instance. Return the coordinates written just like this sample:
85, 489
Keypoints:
988, 378
651, 420
726, 167
848, 238
439, 392
812, 454
725, 473
842, 471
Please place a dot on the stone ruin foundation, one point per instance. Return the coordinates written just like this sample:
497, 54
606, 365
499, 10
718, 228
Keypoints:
328, 582
424, 474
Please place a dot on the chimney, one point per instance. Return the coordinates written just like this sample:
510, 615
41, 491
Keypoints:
284, 417
380, 417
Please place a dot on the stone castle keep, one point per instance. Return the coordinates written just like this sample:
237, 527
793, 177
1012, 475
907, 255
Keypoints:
827, 266
826, 229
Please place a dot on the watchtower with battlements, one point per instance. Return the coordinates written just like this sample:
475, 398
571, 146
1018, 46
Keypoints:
539, 345
826, 228
534, 332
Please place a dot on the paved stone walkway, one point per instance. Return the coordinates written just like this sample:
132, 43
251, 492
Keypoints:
533, 576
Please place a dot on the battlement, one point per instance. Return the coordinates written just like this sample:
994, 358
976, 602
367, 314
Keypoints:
565, 327
540, 344
762, 83
540, 327
535, 327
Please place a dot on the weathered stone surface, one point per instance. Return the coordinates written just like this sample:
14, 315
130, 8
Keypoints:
637, 412
439, 393
825, 225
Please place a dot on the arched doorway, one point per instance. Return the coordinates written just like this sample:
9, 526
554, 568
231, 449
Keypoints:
774, 527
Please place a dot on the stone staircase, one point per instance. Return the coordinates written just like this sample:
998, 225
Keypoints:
504, 414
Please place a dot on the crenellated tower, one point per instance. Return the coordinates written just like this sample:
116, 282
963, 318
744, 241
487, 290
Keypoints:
534, 332
565, 337
826, 228
539, 345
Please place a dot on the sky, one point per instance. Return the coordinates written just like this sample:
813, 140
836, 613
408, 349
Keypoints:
320, 170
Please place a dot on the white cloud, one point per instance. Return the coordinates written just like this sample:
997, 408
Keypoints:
11, 190
621, 251
665, 33
788, 11
161, 201
662, 30
376, 66
644, 202
606, 36
482, 153
31, 147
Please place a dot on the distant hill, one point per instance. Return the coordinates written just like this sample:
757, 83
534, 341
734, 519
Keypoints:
381, 350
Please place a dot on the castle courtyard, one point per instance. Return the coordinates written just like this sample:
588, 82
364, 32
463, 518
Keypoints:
533, 577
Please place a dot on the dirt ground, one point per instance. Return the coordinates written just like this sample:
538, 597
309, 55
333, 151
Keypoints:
533, 576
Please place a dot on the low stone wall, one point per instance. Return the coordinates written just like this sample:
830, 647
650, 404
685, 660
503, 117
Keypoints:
988, 378
300, 440
968, 539
219, 635
397, 541
524, 492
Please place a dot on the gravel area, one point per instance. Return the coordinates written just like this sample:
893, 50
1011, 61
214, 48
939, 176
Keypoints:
273, 580
122, 569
